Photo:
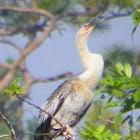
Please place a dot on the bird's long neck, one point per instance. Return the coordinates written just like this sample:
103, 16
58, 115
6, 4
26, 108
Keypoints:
93, 64
83, 51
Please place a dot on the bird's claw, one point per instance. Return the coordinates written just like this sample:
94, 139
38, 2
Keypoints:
68, 133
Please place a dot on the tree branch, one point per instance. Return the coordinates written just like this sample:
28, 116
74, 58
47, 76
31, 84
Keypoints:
31, 46
112, 122
7, 66
111, 16
59, 77
9, 30
7, 79
13, 136
31, 104
63, 128
4, 136
4, 41
28, 10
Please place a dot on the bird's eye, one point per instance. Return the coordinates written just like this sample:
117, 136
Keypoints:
87, 27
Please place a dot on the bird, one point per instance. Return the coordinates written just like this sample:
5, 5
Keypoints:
71, 100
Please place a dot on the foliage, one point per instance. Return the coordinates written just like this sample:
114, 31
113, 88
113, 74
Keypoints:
119, 53
123, 91
121, 3
134, 136
14, 88
120, 84
92, 132
136, 17
60, 5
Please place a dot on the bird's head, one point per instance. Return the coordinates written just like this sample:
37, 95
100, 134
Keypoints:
85, 31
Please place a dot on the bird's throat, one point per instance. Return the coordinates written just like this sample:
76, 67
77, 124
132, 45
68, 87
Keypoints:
93, 64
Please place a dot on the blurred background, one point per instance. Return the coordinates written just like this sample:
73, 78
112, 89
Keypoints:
37, 44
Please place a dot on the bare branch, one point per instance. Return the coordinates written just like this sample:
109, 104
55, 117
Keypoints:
28, 10
116, 15
7, 78
9, 30
112, 122
4, 136
30, 46
59, 77
36, 43
7, 66
4, 41
111, 16
13, 136
64, 129
31, 104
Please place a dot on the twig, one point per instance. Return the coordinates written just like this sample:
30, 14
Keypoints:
29, 103
4, 41
31, 46
112, 122
9, 30
13, 136
59, 77
7, 66
27, 10
63, 128
4, 136
85, 14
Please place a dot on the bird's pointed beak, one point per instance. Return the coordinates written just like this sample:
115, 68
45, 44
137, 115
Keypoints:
96, 21
93, 22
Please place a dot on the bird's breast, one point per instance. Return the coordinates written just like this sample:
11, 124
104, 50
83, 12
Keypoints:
75, 105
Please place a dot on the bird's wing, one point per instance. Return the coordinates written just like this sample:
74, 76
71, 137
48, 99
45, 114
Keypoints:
53, 104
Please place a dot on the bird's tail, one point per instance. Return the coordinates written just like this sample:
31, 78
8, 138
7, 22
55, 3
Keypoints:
41, 132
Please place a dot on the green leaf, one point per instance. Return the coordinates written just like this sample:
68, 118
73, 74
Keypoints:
129, 86
103, 81
136, 17
100, 129
136, 95
110, 80
113, 103
128, 70
84, 133
120, 68
115, 137
138, 119
118, 93
92, 132
100, 90
137, 105
13, 88
118, 119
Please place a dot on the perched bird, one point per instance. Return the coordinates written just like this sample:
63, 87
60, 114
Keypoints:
71, 100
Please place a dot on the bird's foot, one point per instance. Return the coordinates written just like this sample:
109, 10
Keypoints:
68, 133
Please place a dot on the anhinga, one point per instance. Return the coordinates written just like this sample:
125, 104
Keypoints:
71, 100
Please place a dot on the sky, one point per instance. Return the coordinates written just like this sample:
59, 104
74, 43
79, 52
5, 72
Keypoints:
58, 55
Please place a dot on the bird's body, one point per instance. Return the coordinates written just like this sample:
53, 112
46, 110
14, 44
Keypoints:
69, 102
